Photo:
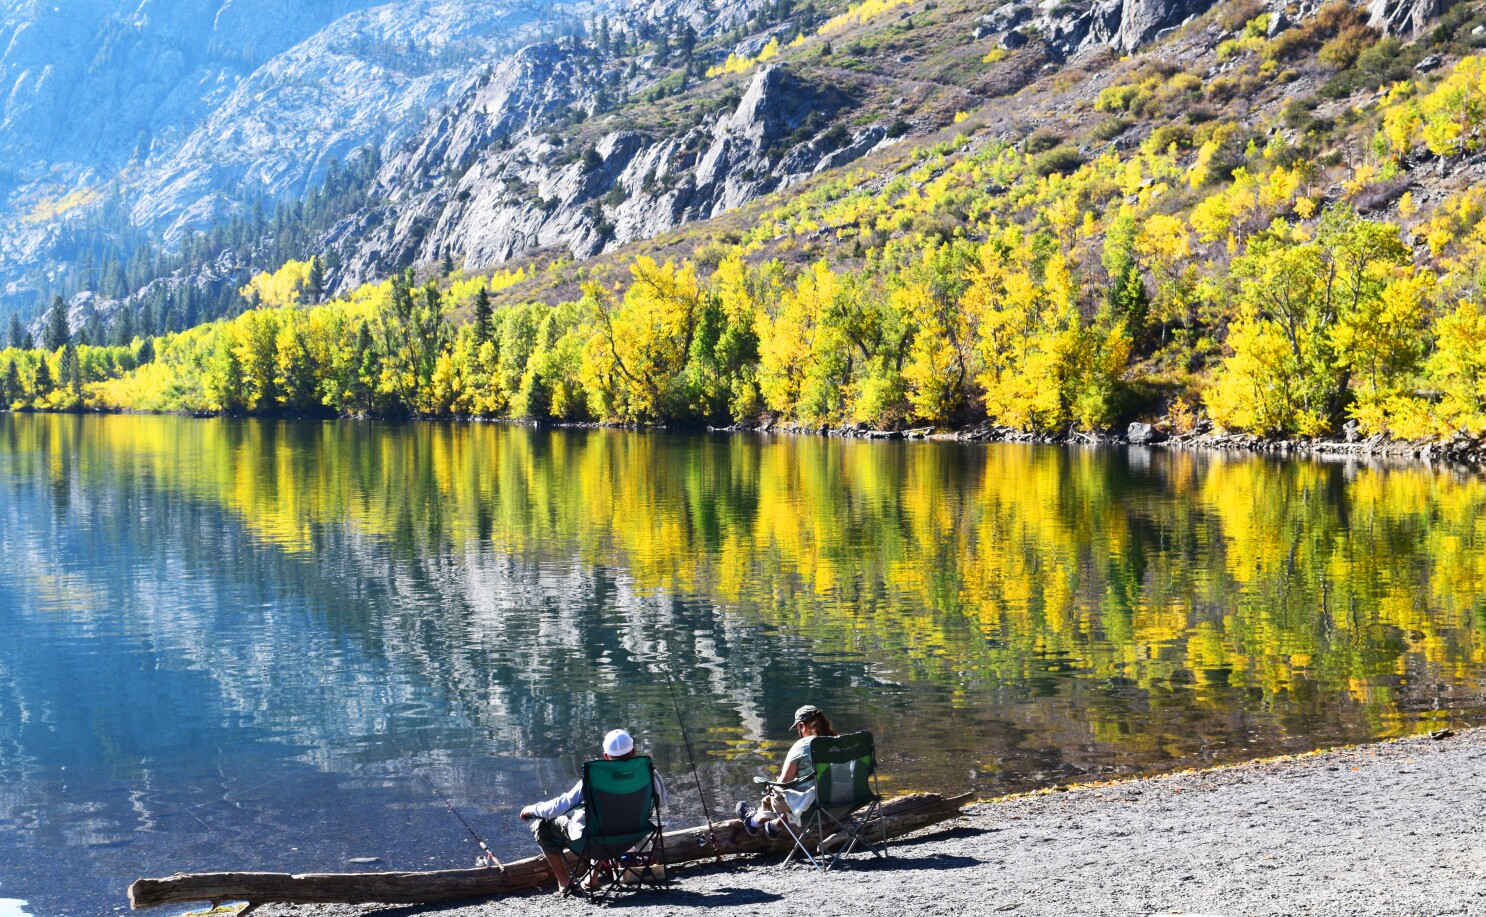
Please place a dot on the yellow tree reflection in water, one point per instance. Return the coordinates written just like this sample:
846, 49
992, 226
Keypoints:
1189, 579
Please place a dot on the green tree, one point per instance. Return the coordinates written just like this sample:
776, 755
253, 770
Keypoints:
42, 384
482, 316
70, 369
57, 332
10, 385
314, 284
17, 332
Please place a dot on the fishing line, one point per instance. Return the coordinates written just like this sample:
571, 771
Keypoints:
692, 758
495, 861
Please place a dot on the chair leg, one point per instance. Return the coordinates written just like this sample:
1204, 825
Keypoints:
803, 848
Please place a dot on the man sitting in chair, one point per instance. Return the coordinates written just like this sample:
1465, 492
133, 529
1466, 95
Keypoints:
553, 827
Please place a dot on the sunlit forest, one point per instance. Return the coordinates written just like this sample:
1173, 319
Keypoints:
1205, 273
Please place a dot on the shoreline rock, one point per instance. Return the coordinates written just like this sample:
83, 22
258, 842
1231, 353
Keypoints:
1461, 450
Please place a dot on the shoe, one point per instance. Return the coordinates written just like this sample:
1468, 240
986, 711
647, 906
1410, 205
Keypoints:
772, 829
744, 811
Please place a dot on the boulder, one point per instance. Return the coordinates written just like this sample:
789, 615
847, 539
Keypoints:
1143, 434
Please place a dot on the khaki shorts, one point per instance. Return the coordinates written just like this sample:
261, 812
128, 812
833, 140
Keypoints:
551, 833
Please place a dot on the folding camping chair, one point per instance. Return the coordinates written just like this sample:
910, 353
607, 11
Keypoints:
623, 840
845, 782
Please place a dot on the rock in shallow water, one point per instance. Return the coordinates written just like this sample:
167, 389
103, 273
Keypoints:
1143, 434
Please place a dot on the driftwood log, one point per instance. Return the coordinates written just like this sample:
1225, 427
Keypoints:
902, 815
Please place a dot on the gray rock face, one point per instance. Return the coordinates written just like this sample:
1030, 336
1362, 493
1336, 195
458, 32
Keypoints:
1404, 17
96, 83
490, 188
351, 84
1123, 25
201, 106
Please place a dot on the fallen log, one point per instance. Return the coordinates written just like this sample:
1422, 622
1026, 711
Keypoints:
901, 816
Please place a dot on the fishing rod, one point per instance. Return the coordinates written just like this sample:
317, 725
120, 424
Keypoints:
494, 860
692, 759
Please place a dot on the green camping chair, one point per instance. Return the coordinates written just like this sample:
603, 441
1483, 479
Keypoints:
623, 840
846, 802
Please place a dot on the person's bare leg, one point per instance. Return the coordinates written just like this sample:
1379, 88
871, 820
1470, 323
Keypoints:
559, 867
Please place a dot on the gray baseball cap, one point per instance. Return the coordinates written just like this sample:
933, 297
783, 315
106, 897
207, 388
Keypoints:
805, 714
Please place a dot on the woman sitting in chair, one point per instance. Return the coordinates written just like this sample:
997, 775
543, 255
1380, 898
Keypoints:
809, 723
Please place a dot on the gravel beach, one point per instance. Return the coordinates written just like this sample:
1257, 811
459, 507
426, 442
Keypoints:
1393, 828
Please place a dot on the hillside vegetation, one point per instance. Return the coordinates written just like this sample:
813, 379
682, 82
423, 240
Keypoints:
1273, 224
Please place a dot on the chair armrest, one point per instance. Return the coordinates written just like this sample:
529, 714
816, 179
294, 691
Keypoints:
808, 778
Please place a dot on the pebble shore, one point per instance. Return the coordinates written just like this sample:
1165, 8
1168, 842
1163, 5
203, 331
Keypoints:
1391, 828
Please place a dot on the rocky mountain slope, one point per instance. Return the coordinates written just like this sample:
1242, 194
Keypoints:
190, 111
485, 185
92, 84
584, 145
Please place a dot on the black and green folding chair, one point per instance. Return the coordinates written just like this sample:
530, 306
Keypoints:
622, 846
847, 807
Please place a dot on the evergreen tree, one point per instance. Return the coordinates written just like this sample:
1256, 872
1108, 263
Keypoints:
10, 385
88, 272
123, 329
43, 377
70, 369
483, 314
314, 285
28, 342
57, 333
17, 333
448, 262
90, 329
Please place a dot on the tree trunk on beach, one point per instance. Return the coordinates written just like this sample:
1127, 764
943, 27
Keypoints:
901, 816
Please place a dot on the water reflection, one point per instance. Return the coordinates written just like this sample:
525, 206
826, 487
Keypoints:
228, 644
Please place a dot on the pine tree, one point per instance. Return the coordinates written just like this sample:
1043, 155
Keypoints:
10, 385
448, 262
43, 377
90, 329
123, 328
70, 369
57, 333
482, 316
17, 333
314, 285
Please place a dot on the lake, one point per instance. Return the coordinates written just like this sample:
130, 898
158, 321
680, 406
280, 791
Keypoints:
254, 644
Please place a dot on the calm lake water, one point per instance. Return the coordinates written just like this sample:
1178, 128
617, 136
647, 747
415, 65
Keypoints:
240, 644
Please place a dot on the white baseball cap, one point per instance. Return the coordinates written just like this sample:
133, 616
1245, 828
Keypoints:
618, 743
